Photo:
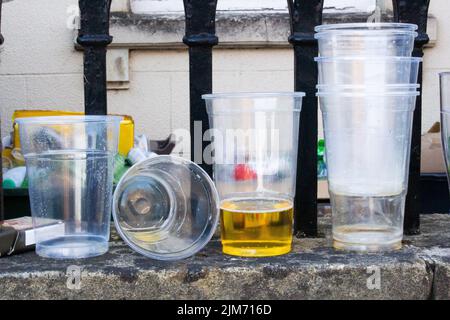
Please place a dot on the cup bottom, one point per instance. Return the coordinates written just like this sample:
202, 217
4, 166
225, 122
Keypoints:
72, 247
256, 249
366, 238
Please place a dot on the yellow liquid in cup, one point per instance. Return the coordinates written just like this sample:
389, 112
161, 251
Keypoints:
256, 227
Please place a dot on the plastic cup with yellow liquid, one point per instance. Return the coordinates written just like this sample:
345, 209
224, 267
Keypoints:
254, 143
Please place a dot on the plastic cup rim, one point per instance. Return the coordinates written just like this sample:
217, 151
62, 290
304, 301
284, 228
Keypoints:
251, 95
368, 59
326, 87
368, 93
61, 120
379, 34
215, 110
369, 26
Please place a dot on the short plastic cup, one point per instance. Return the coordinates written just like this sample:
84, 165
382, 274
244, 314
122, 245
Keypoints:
368, 137
255, 141
70, 171
363, 71
366, 39
444, 78
166, 208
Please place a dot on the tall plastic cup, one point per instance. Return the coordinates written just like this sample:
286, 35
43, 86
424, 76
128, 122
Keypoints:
255, 141
366, 39
368, 137
444, 78
70, 170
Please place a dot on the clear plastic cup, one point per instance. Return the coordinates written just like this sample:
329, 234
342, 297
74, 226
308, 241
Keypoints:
166, 208
368, 137
444, 79
255, 141
366, 39
364, 71
69, 163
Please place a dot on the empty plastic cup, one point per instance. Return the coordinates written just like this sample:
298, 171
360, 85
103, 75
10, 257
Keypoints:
70, 171
444, 78
368, 71
368, 137
166, 208
255, 141
366, 39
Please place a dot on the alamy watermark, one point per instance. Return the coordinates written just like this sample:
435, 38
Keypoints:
73, 19
231, 145
374, 279
73, 275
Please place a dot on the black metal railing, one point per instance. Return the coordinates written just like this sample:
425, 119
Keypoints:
200, 37
304, 16
414, 11
94, 37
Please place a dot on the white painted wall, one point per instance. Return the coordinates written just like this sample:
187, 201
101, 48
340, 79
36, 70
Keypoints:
157, 6
437, 59
39, 68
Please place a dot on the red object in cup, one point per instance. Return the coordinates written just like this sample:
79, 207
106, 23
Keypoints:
243, 172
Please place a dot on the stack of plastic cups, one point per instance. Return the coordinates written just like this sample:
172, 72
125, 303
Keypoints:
367, 90
444, 81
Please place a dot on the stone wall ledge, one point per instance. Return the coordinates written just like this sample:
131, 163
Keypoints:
252, 29
421, 270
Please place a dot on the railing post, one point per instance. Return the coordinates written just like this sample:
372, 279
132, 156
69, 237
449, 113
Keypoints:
94, 37
305, 15
2, 216
200, 38
414, 11
1, 36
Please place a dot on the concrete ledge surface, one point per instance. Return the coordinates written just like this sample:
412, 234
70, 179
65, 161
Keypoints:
421, 270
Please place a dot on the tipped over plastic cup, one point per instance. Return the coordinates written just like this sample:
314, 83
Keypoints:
166, 208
